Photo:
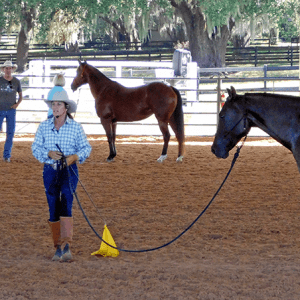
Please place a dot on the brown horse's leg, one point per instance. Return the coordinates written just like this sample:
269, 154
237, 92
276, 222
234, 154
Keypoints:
114, 128
179, 136
177, 124
166, 135
110, 129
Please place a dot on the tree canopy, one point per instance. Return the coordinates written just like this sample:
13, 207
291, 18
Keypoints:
208, 24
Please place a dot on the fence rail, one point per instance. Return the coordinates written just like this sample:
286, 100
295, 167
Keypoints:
263, 55
251, 56
201, 104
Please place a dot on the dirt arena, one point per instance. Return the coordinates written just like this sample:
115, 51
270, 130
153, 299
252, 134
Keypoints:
246, 246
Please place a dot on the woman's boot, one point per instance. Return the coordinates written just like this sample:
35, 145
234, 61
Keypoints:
55, 230
66, 233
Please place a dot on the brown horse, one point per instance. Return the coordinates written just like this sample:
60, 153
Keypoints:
116, 103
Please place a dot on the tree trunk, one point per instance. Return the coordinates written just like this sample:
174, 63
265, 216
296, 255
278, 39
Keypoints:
72, 47
131, 35
207, 49
241, 41
22, 50
24, 39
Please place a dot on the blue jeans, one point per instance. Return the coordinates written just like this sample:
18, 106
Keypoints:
59, 187
10, 116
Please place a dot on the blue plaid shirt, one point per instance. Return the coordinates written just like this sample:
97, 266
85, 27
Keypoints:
70, 138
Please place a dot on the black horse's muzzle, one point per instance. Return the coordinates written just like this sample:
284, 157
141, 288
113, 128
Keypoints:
219, 153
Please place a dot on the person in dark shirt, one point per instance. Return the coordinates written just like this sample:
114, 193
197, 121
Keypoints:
9, 88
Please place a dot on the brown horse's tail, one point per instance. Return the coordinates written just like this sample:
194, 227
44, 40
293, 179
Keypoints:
177, 123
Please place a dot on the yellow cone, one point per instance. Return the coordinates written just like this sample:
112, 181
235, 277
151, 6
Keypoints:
106, 250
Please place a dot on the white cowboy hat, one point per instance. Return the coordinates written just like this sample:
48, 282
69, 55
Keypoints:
8, 63
63, 97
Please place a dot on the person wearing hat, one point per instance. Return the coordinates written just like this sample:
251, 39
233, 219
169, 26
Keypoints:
59, 143
58, 81
9, 87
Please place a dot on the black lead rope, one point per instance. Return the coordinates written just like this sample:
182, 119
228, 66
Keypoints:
236, 155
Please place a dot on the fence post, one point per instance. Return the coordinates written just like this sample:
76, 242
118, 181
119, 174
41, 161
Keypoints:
255, 57
36, 68
119, 70
219, 83
192, 79
265, 75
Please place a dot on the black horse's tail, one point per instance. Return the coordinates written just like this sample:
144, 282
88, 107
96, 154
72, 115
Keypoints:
177, 123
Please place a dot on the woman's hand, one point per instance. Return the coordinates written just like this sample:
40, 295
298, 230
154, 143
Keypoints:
71, 159
56, 155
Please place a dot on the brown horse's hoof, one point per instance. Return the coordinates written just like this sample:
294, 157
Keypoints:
179, 159
162, 158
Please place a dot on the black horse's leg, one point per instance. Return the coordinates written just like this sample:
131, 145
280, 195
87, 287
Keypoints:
296, 153
108, 127
166, 135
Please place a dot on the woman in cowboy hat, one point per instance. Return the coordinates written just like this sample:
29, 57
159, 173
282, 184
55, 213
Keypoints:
9, 87
59, 143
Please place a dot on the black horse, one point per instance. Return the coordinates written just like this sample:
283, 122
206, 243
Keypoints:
277, 115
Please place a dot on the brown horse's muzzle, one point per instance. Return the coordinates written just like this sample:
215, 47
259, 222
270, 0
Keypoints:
73, 86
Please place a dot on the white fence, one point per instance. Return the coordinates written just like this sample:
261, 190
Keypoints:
33, 109
202, 96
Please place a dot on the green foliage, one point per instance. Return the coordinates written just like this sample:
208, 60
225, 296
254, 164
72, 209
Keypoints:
287, 28
75, 14
218, 12
288, 19
143, 13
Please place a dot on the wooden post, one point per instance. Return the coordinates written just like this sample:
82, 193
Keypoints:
265, 75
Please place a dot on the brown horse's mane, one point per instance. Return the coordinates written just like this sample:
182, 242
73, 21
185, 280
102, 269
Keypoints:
96, 73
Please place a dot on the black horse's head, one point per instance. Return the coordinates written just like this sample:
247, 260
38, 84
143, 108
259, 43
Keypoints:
81, 78
233, 124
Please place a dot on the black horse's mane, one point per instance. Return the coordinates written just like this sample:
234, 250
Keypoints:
269, 95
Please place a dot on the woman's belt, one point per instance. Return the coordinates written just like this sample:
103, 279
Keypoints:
59, 164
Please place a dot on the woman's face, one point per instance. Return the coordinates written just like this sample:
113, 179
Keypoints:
59, 108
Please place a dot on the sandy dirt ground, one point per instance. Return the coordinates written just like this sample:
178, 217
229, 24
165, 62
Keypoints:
246, 246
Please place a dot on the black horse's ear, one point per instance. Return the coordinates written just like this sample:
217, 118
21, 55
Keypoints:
233, 91
79, 61
229, 93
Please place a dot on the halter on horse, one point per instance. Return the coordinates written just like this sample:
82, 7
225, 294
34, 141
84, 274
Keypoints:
277, 115
116, 103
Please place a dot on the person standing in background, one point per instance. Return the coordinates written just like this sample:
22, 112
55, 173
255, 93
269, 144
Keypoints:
9, 87
59, 81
